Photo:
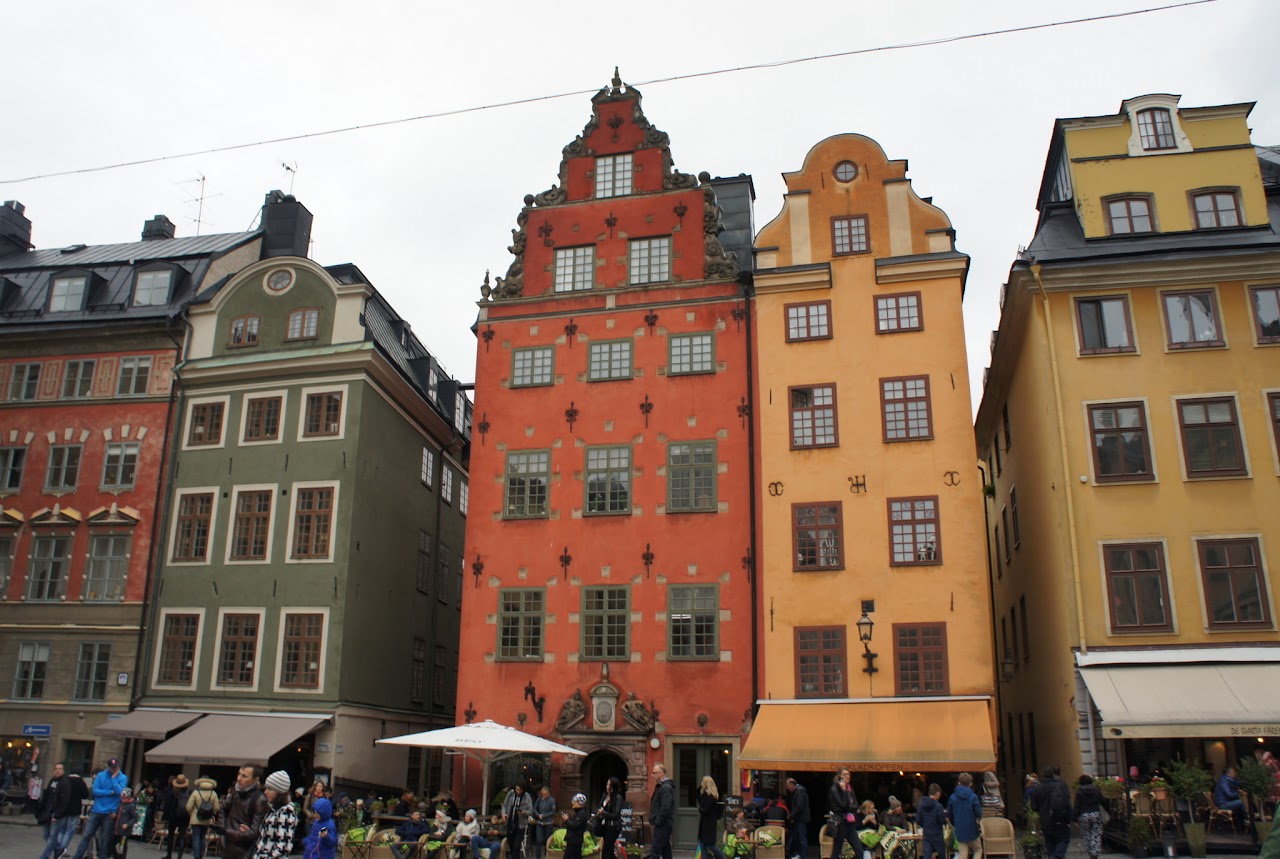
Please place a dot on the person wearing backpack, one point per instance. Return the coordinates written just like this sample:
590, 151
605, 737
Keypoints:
1051, 799
203, 806
964, 810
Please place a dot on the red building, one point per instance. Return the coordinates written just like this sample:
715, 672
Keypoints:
609, 602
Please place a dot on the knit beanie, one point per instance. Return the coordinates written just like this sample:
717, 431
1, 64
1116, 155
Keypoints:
322, 808
278, 781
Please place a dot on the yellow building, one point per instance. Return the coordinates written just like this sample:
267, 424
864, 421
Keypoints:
870, 510
1129, 424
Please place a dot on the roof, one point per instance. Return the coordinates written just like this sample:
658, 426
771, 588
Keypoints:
129, 252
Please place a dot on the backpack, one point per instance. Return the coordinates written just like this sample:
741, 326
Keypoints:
1059, 803
204, 811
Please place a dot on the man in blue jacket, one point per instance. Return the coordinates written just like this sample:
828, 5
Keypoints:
965, 810
107, 786
932, 818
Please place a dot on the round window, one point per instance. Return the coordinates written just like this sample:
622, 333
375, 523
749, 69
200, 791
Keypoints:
279, 280
846, 171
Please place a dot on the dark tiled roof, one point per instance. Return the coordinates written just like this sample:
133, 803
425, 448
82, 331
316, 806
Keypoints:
131, 252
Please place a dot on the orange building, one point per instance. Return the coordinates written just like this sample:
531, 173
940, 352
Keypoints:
609, 590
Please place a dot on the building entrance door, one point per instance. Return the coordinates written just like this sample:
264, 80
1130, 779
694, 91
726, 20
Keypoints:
693, 761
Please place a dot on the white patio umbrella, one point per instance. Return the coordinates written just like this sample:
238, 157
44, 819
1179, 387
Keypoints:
485, 741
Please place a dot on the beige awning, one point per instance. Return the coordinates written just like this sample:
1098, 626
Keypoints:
222, 740
1240, 699
931, 735
147, 724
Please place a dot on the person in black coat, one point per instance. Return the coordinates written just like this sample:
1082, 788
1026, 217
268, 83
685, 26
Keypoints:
610, 815
709, 815
932, 817
798, 832
844, 807
575, 827
662, 813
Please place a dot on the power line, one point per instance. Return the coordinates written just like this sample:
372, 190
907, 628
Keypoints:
902, 46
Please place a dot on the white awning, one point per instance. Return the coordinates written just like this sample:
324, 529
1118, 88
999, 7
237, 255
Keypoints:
147, 724
224, 740
1196, 700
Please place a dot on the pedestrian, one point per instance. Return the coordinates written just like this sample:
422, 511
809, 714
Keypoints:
1088, 813
610, 816
126, 817
842, 804
964, 811
322, 841
800, 817
107, 786
203, 807
709, 814
1051, 799
992, 801
517, 811
275, 837
575, 827
177, 816
44, 808
244, 809
64, 812
544, 819
932, 819
662, 810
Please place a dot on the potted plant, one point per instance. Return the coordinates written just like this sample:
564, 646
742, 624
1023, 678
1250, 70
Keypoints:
1158, 788
1189, 781
1254, 778
1140, 836
1110, 788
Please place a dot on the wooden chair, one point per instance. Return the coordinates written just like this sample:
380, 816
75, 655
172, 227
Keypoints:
1217, 815
159, 829
825, 843
998, 837
1164, 812
770, 841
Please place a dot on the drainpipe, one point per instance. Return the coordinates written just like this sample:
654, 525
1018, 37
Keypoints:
986, 540
752, 569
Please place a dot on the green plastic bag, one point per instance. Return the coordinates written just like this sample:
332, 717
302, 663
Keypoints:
357, 835
870, 837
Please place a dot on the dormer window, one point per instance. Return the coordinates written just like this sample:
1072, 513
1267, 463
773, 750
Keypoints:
152, 288
613, 175
244, 331
1155, 129
67, 293
303, 324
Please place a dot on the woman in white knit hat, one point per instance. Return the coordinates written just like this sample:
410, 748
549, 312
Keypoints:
275, 838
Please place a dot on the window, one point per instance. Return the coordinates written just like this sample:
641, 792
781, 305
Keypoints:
47, 571
152, 288
6, 564
251, 526
11, 461
191, 534
998, 557
1008, 432
1216, 209
67, 294
608, 479
304, 324
443, 563
813, 416
904, 405
77, 379
135, 374
422, 579
177, 649
1104, 325
120, 465
898, 313
1266, 312
439, 667
1013, 625
691, 476
239, 649
107, 569
820, 662
1273, 409
650, 260
418, 675
532, 366
1192, 319
920, 657
1008, 541
692, 353
313, 521
464, 497
808, 321
23, 384
1211, 437
1127, 215
1013, 517
575, 268
817, 533
206, 424
323, 415
1137, 588
300, 660
91, 672
528, 475
995, 448
1155, 129
244, 331
606, 623
427, 473
33, 666
446, 484
262, 418
849, 235
1234, 588
1121, 449
610, 359
1026, 629
613, 175
913, 531
693, 622
64, 467
520, 618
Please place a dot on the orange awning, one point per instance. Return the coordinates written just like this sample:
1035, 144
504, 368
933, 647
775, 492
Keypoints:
934, 735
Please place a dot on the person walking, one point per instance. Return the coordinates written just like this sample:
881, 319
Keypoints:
44, 808
662, 811
244, 809
709, 815
517, 810
1051, 799
932, 819
799, 820
177, 816
203, 807
964, 810
126, 817
544, 820
575, 826
322, 841
610, 816
1088, 813
64, 812
992, 801
275, 838
107, 787
843, 806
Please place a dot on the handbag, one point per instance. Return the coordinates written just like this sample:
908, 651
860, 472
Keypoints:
1104, 815
596, 825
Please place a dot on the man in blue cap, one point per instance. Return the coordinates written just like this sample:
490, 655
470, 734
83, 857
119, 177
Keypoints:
107, 786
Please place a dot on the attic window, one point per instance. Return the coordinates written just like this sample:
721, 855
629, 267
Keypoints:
152, 288
67, 294
1155, 129
613, 175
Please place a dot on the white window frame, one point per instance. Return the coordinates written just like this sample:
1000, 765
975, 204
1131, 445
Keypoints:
74, 288
427, 467
134, 363
216, 492
94, 536
612, 172
446, 483
55, 488
80, 364
336, 486
225, 399
106, 680
195, 656
575, 269
283, 394
342, 415
231, 522
216, 662
153, 275
28, 381
277, 687
125, 447
649, 261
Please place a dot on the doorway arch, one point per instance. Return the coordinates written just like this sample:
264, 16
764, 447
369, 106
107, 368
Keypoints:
597, 768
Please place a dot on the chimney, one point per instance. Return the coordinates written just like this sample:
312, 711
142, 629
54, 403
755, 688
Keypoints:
287, 224
15, 229
158, 227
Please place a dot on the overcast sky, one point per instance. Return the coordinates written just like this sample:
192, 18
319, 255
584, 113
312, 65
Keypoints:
423, 208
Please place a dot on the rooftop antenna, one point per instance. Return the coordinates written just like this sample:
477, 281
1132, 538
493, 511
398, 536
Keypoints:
199, 199
291, 170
